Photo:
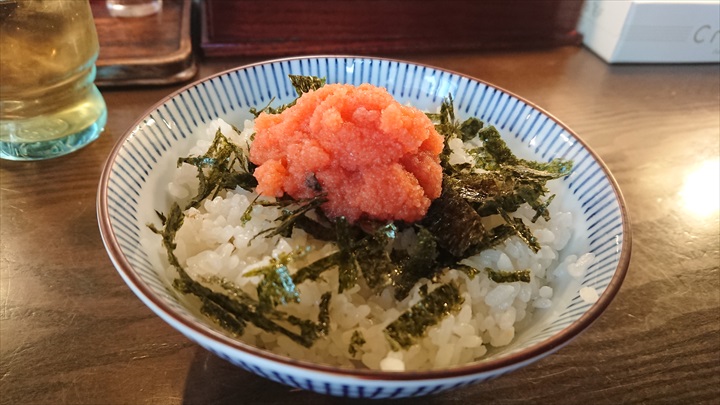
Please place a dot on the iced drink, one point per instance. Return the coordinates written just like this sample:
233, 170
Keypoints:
49, 105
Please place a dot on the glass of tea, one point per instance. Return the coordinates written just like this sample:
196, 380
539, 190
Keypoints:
49, 105
133, 8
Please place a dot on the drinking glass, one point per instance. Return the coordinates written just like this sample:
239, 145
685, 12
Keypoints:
49, 105
133, 8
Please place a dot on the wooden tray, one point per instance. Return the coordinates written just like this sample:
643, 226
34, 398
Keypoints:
293, 27
152, 50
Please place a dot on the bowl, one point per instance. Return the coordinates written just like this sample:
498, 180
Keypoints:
133, 183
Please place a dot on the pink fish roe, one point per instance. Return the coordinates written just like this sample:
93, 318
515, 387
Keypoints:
373, 156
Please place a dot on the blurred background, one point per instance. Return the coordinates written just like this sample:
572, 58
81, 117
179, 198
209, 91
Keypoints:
161, 48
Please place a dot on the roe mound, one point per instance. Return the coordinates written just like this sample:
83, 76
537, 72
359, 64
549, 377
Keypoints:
374, 157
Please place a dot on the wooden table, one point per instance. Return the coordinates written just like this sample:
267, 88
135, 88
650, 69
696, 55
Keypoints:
71, 332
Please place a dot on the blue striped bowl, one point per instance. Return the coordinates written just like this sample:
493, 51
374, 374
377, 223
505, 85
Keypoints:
132, 187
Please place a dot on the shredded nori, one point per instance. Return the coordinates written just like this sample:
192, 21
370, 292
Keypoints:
171, 224
413, 323
301, 84
324, 315
496, 184
224, 166
277, 286
247, 215
500, 276
292, 210
232, 309
304, 84
347, 266
469, 271
357, 340
313, 271
420, 263
521, 230
373, 258
456, 240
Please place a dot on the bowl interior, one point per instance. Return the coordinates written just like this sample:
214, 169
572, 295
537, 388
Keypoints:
135, 178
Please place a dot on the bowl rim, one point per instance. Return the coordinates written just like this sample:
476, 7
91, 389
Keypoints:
506, 362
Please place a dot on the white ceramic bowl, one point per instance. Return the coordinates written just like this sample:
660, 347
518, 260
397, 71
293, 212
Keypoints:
133, 186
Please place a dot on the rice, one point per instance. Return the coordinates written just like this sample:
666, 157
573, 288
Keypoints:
214, 241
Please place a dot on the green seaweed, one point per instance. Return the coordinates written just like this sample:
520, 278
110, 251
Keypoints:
277, 286
497, 183
357, 340
314, 270
447, 126
323, 323
494, 153
456, 226
247, 214
373, 257
301, 84
470, 128
304, 84
292, 211
347, 265
499, 276
414, 322
469, 271
224, 166
521, 230
231, 309
267, 109
171, 223
313, 330
420, 263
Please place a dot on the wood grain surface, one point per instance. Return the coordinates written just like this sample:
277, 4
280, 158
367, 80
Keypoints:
155, 49
71, 332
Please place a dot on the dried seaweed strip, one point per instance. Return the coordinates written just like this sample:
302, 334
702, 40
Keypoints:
469, 271
456, 226
374, 260
323, 323
413, 323
235, 314
421, 263
357, 340
314, 270
277, 286
171, 224
291, 212
314, 228
347, 265
521, 230
304, 84
301, 84
499, 276
223, 166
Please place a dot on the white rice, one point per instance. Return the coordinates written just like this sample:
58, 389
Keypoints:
213, 241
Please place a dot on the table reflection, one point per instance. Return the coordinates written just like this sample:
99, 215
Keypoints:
700, 192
